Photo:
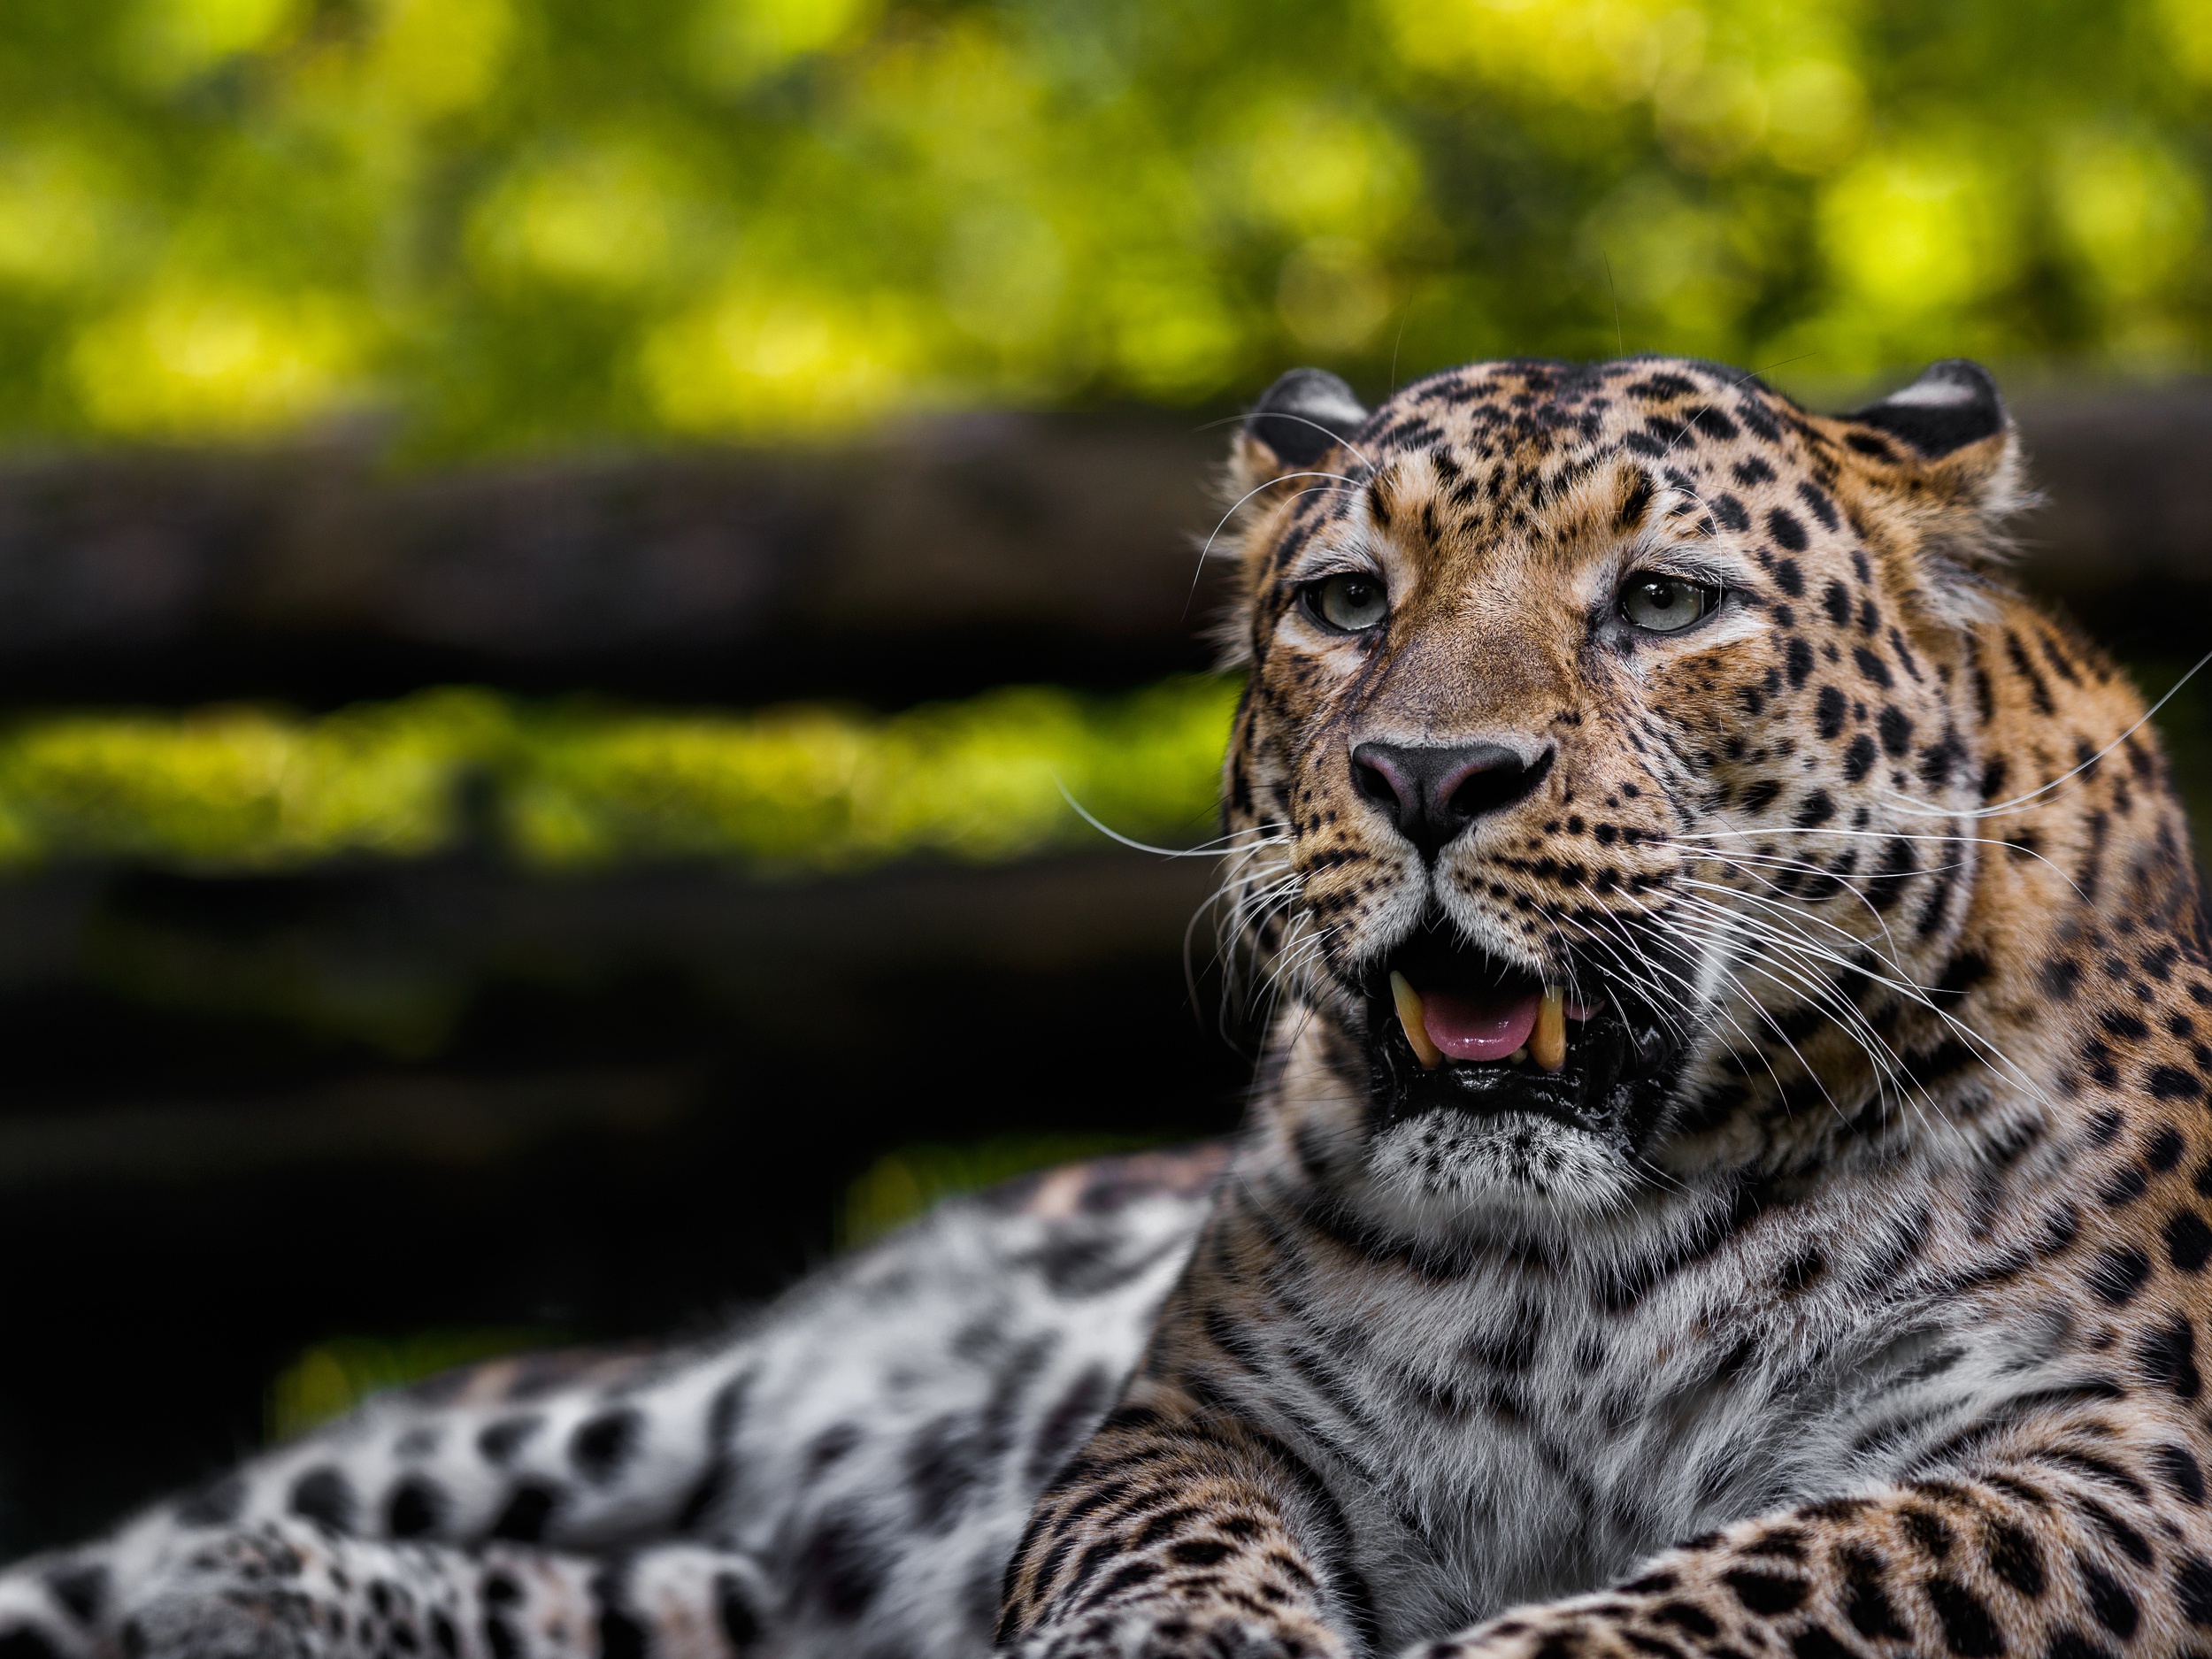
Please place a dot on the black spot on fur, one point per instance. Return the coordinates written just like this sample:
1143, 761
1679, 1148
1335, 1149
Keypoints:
415, 1509
1895, 727
1969, 1630
2118, 1274
1865, 1600
840, 1568
324, 1494
2015, 1557
1198, 1552
1687, 1615
1787, 529
1858, 759
2179, 1468
500, 1442
1799, 661
2188, 1240
1927, 1532
1817, 499
2165, 1149
740, 1624
1637, 502
2169, 1356
1766, 1594
2193, 1588
2171, 1082
528, 1512
2109, 1599
1829, 709
621, 1636
601, 1445
26, 1641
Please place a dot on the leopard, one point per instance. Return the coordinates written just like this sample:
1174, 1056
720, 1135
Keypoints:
1725, 1177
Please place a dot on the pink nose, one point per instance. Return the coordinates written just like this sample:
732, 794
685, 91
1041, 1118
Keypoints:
1432, 792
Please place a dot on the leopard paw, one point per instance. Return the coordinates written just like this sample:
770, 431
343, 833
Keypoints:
223, 1625
1586, 1635
1176, 1632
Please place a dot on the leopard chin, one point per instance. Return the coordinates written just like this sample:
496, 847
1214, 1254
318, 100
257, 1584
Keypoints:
1505, 1161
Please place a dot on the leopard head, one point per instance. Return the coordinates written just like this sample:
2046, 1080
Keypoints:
1604, 800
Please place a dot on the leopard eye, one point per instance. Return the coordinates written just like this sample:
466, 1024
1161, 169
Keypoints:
1666, 604
1347, 603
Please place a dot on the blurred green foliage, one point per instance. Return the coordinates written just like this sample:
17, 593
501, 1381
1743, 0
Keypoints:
522, 221
332, 1377
577, 785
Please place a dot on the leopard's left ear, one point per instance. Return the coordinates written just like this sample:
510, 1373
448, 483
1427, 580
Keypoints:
1947, 449
1297, 421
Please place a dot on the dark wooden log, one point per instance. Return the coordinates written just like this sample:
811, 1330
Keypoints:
928, 561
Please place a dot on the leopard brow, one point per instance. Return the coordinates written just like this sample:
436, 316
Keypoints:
1357, 559
1675, 558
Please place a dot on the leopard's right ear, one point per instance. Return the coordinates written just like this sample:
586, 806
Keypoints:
1297, 421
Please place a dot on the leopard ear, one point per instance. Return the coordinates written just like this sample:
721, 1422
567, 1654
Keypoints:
1945, 451
1298, 420
1952, 405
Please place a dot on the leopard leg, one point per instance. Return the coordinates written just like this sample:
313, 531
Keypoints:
1178, 1532
585, 1453
287, 1590
2096, 1549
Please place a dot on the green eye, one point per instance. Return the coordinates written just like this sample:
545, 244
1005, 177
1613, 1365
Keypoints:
1348, 604
1666, 604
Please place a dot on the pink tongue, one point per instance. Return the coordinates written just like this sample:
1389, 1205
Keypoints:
1478, 1027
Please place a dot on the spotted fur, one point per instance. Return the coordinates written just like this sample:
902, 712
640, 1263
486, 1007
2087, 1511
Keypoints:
1837, 1297
843, 1476
1858, 1314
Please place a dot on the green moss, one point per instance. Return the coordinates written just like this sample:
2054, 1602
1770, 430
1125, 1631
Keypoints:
569, 786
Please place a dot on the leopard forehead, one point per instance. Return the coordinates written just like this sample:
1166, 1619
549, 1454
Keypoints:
1514, 453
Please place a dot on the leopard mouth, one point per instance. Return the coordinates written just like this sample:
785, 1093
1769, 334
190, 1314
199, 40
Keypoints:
1452, 1027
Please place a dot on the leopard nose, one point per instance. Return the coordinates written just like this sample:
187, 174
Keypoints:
1432, 792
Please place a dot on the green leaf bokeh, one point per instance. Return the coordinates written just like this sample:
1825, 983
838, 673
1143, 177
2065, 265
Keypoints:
521, 222
577, 786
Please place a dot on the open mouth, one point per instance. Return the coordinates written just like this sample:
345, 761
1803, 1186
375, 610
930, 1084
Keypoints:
1451, 1025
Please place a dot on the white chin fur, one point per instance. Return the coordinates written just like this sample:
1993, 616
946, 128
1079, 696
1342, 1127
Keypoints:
1519, 1162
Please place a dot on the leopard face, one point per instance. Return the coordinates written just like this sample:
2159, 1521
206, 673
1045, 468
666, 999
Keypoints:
1604, 794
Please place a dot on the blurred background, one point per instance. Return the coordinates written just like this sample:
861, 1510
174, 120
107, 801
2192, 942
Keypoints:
557, 558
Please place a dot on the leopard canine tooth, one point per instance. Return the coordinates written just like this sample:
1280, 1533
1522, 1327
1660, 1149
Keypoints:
1548, 1043
1408, 1002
